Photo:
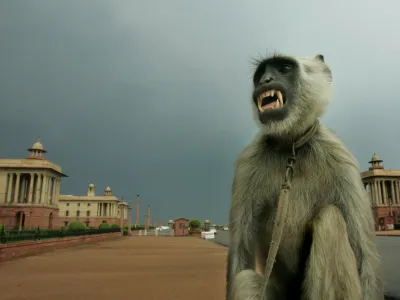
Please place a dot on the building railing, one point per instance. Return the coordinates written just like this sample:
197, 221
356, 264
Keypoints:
12, 236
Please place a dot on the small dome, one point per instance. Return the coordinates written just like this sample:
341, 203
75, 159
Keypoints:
37, 146
170, 221
108, 189
36, 151
375, 157
207, 221
91, 185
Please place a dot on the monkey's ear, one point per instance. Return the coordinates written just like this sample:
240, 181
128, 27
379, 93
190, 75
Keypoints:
320, 57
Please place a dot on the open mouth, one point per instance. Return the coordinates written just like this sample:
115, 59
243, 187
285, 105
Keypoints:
271, 99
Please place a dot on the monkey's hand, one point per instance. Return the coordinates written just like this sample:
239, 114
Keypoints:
247, 285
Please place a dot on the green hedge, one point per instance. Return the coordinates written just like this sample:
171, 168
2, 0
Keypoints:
138, 227
76, 226
10, 236
104, 226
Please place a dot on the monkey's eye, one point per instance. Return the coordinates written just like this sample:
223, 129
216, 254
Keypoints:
285, 68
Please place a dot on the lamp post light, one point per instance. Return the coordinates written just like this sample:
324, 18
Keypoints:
206, 225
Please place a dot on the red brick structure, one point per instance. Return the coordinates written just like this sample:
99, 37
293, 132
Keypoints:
29, 217
181, 227
29, 190
383, 187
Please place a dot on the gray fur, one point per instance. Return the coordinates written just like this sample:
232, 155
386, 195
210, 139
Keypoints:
327, 199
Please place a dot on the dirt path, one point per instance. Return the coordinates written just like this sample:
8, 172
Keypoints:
134, 268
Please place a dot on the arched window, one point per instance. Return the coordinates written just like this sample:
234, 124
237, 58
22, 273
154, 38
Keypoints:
88, 213
78, 213
67, 213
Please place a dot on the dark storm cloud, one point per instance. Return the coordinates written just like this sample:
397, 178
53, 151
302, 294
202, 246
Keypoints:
154, 98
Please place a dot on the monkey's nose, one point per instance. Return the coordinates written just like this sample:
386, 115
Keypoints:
266, 79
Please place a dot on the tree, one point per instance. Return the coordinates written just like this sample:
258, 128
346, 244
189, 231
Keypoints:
194, 224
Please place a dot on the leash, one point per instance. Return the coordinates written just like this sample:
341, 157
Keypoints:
283, 202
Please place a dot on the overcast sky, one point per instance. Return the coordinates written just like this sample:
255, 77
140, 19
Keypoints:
155, 98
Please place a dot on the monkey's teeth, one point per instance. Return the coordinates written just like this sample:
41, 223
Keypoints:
259, 106
280, 98
273, 105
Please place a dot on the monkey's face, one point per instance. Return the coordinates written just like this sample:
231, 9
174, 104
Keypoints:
290, 92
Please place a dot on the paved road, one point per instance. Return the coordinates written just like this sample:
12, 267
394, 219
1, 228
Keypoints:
389, 247
130, 268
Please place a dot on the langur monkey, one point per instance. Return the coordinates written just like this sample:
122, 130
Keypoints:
328, 249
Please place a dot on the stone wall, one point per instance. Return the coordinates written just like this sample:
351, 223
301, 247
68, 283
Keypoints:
14, 250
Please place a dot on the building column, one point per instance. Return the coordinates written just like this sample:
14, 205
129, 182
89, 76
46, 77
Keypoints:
396, 190
21, 189
396, 195
393, 192
16, 189
385, 199
378, 185
48, 190
9, 187
30, 191
53, 192
380, 192
44, 187
37, 188
372, 192
58, 190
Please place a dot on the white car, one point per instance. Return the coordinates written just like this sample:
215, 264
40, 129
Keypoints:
226, 228
213, 230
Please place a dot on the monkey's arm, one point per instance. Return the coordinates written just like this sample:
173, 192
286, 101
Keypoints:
240, 257
344, 262
355, 205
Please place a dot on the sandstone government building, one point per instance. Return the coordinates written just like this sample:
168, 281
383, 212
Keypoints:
30, 196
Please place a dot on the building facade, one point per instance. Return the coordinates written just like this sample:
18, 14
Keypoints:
30, 197
29, 191
93, 210
383, 187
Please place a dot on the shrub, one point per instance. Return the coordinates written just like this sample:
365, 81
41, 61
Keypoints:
194, 224
137, 227
115, 226
76, 226
397, 226
104, 226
